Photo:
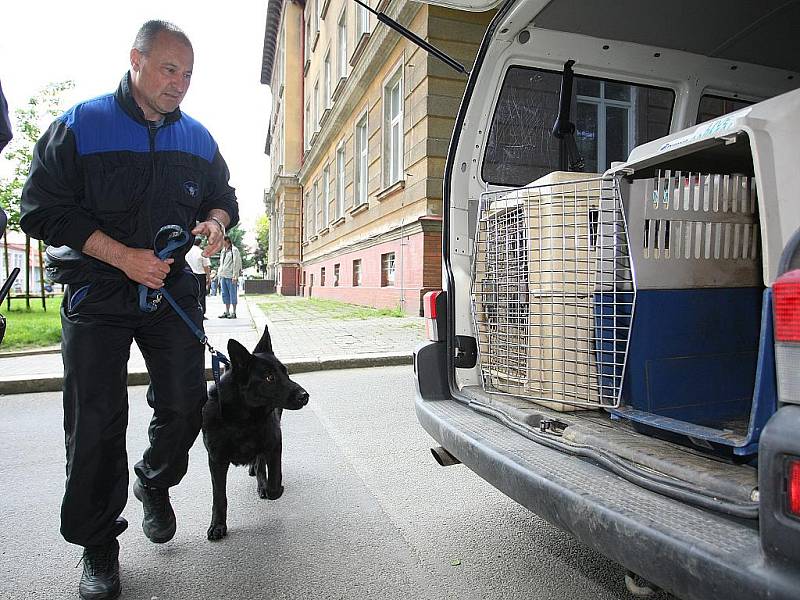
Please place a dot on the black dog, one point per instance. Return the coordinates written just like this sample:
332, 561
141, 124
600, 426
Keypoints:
242, 423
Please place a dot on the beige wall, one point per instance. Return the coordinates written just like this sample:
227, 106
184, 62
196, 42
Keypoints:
431, 96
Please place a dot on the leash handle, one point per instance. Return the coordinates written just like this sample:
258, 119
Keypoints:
150, 299
177, 236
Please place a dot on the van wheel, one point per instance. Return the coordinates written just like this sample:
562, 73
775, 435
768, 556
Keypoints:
639, 586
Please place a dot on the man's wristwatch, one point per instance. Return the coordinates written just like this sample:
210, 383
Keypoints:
218, 222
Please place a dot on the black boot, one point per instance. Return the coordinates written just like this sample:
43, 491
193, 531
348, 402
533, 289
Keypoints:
100, 579
159, 518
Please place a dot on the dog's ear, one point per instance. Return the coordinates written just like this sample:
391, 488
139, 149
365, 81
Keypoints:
264, 345
240, 357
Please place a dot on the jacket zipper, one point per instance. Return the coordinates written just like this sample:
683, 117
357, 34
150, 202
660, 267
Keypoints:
152, 131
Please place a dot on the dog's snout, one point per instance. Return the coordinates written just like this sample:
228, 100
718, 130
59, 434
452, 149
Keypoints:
302, 397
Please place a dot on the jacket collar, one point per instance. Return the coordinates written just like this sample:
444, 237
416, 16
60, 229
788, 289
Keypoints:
125, 98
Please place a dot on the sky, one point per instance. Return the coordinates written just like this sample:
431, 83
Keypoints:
88, 42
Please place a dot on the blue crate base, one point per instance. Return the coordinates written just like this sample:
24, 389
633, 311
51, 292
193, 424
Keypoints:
700, 366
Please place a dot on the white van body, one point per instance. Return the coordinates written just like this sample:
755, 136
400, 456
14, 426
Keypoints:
686, 97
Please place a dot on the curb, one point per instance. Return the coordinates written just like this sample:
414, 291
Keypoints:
304, 365
31, 352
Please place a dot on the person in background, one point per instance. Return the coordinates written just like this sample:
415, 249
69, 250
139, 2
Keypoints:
214, 282
201, 268
230, 267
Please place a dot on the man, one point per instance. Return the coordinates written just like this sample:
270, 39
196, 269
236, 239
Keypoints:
105, 177
230, 267
201, 268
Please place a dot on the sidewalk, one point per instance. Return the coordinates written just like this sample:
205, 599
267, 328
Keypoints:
313, 342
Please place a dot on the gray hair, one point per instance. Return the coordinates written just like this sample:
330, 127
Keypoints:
150, 30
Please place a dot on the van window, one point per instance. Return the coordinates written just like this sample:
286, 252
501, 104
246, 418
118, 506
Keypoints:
712, 107
611, 117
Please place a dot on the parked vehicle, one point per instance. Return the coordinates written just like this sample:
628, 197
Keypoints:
617, 342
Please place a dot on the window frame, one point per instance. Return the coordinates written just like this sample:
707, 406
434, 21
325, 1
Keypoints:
327, 91
341, 44
362, 21
357, 280
602, 104
341, 176
326, 182
393, 165
386, 263
360, 191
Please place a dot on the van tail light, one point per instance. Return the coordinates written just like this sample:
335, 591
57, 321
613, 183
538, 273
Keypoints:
793, 488
786, 298
433, 309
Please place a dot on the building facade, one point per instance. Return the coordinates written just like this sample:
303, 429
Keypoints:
362, 119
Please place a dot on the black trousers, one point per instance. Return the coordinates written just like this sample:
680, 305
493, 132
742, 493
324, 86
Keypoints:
203, 281
99, 321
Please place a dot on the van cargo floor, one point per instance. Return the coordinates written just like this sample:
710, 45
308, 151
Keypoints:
709, 474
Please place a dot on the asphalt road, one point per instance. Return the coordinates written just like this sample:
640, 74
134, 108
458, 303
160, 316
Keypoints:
367, 513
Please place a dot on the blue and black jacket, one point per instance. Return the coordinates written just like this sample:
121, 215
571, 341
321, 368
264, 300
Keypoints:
102, 166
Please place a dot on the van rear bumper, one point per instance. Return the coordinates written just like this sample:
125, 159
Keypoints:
693, 553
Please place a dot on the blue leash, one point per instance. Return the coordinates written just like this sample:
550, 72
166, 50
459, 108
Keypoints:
149, 299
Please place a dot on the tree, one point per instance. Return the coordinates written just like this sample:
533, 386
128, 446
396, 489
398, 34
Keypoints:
43, 106
261, 254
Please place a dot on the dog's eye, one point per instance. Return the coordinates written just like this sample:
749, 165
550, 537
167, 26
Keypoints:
270, 378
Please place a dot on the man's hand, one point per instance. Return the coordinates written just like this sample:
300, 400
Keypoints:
139, 264
143, 266
213, 233
213, 228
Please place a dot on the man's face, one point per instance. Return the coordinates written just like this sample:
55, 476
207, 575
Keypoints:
161, 77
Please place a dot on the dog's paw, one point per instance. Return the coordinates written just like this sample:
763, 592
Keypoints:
252, 471
217, 531
273, 494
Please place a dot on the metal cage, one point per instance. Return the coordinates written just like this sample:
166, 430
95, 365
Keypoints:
553, 291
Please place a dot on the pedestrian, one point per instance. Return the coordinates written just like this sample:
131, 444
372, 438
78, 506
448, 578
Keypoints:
201, 268
230, 267
105, 177
214, 282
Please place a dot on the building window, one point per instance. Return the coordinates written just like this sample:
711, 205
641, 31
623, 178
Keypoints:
393, 129
316, 106
361, 161
341, 36
308, 36
308, 228
362, 21
357, 272
322, 277
307, 128
387, 269
315, 208
607, 110
336, 275
326, 80
340, 181
326, 195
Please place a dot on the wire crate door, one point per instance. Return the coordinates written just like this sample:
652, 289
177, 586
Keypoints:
552, 291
